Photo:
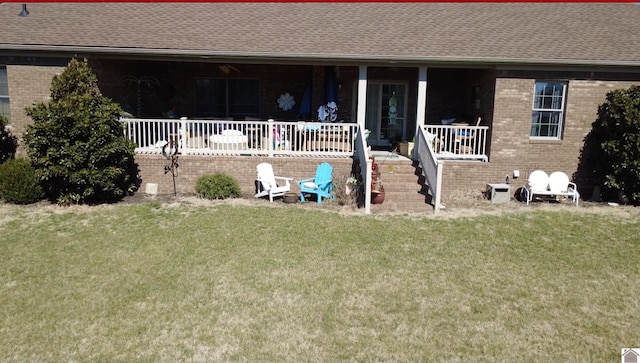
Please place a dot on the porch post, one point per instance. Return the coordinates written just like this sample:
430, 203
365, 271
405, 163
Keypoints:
422, 98
362, 96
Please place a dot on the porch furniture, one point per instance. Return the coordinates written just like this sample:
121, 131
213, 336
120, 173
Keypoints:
229, 140
321, 185
465, 138
266, 183
556, 185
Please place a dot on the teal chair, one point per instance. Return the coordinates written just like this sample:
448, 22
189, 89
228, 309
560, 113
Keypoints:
321, 185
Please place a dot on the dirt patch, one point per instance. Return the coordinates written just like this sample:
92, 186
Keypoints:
458, 206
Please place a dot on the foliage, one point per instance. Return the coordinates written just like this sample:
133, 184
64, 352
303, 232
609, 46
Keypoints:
217, 186
19, 183
76, 143
617, 132
8, 142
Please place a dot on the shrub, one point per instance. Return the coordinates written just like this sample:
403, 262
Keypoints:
8, 142
19, 183
217, 186
77, 144
617, 132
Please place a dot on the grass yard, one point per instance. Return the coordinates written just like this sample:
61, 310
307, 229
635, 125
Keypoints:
191, 283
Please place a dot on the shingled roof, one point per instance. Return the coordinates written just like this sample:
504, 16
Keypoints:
590, 34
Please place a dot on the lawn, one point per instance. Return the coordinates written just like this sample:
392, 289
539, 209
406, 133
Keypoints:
169, 283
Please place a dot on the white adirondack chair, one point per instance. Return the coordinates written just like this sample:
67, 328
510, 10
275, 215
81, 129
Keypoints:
267, 185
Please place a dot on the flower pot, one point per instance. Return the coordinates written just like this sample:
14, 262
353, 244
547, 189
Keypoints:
377, 197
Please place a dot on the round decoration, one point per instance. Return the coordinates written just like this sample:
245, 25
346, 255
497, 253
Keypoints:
286, 101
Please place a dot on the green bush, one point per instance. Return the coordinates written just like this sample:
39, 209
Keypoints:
8, 142
19, 183
617, 131
77, 144
217, 186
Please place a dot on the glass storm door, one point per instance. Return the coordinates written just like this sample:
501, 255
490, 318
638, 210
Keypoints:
386, 112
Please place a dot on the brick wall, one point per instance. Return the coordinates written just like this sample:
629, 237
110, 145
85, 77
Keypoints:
28, 84
243, 169
511, 148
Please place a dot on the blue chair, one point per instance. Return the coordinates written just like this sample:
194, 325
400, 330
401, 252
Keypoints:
321, 185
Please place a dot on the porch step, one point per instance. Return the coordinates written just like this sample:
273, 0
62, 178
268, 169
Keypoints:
404, 188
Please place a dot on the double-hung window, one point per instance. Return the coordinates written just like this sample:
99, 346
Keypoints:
548, 110
4, 94
235, 98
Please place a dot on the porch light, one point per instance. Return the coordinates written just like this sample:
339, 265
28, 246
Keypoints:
24, 11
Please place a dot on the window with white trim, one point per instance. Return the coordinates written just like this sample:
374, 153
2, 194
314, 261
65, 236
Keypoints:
4, 94
548, 109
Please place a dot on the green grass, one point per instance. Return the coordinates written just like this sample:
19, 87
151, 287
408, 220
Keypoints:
152, 283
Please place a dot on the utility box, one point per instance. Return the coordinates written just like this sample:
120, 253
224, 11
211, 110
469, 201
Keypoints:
499, 193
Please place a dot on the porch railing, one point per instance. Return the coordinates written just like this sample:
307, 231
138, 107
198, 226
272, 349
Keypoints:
458, 142
224, 137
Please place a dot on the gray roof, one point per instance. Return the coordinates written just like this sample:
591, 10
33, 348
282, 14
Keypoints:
591, 34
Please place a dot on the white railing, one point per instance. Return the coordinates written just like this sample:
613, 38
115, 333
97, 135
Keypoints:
459, 142
224, 137
431, 166
362, 154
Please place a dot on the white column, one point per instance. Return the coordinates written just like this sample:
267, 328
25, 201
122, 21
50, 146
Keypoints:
422, 98
362, 96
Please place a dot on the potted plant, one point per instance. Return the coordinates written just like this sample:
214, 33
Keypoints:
351, 185
377, 189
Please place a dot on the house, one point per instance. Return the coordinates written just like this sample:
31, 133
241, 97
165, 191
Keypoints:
534, 74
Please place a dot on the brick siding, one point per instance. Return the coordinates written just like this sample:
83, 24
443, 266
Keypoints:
243, 169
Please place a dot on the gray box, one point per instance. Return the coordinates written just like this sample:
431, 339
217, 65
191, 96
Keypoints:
499, 193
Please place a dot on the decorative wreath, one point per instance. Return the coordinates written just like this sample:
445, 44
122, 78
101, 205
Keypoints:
286, 101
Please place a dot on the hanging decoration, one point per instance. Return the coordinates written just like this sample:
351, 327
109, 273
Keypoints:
393, 109
286, 101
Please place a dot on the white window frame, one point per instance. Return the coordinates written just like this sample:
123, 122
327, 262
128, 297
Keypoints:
4, 96
547, 113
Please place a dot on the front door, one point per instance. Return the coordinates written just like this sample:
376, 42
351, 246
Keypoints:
386, 112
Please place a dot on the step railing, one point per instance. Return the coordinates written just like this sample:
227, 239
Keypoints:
251, 137
431, 166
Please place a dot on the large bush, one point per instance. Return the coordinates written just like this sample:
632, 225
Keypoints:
217, 186
76, 142
8, 142
617, 132
18, 182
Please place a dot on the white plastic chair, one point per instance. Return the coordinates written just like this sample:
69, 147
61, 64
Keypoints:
267, 185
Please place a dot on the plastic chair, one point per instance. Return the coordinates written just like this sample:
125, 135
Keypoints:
266, 183
321, 185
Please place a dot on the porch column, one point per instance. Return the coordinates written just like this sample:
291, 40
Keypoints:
422, 98
362, 96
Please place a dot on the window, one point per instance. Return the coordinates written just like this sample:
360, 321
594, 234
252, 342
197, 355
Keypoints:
4, 94
548, 110
235, 98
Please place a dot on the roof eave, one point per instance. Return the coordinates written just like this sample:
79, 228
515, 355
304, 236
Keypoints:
291, 58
